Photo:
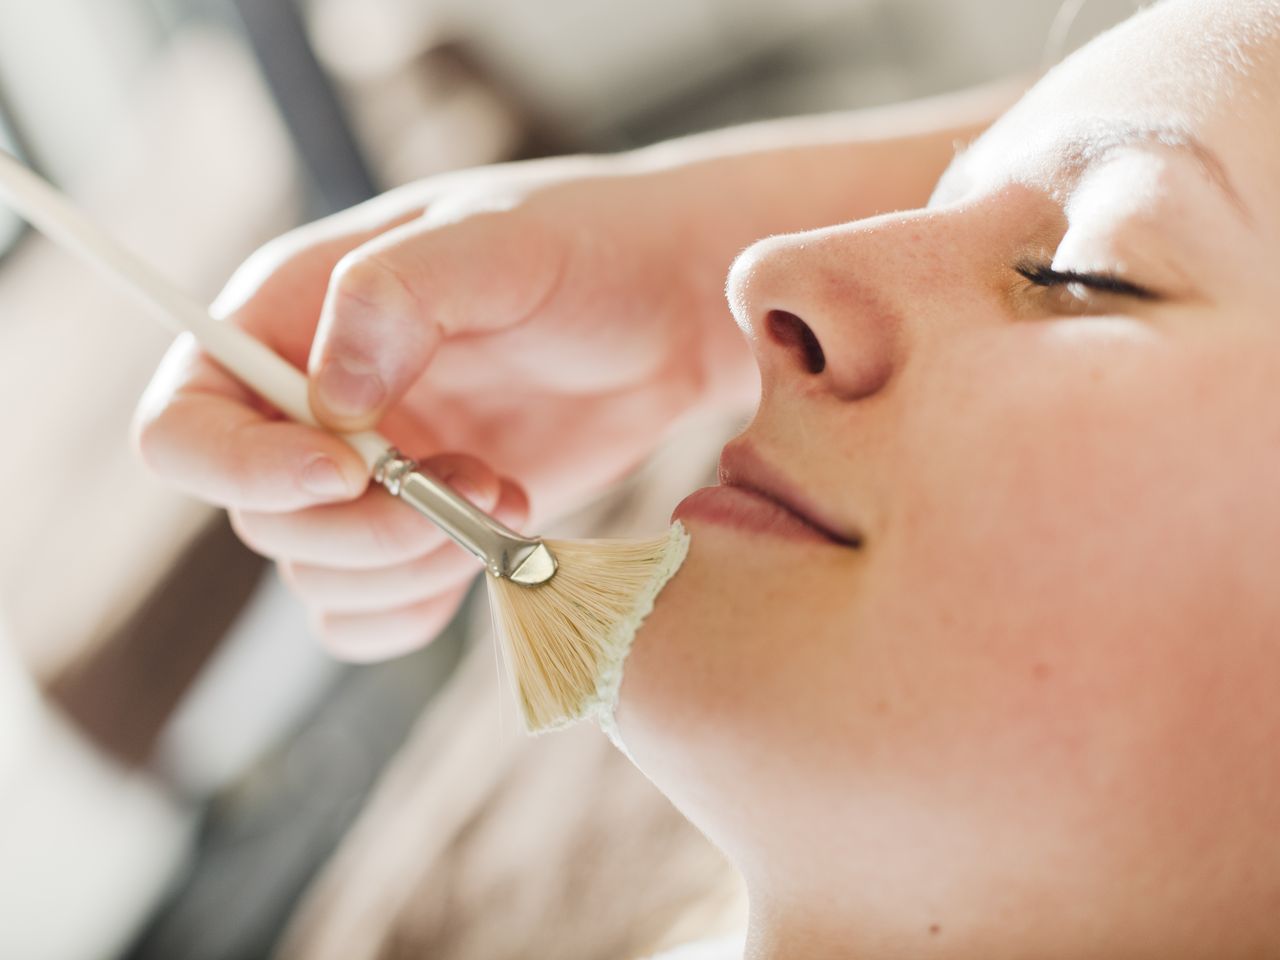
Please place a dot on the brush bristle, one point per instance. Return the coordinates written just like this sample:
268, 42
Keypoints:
564, 641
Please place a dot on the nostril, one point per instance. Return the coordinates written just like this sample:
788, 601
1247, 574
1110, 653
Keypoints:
790, 331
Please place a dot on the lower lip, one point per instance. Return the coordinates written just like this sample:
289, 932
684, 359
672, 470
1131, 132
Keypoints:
742, 509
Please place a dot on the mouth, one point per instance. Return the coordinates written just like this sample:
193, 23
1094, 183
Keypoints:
753, 495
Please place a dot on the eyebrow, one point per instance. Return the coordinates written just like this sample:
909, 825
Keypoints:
1087, 146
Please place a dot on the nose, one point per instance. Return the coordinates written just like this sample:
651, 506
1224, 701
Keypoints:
814, 313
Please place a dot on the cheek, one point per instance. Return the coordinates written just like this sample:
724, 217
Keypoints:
1087, 473
1058, 646
729, 684
1080, 547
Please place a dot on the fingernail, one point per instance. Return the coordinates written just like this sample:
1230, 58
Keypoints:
349, 389
322, 478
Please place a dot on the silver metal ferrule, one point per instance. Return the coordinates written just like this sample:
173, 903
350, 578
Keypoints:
503, 551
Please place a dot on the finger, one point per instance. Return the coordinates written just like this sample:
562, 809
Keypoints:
512, 508
276, 296
392, 301
277, 293
375, 531
384, 588
335, 590
365, 637
208, 440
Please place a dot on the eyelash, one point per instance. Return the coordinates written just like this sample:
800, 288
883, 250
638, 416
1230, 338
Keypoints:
1042, 275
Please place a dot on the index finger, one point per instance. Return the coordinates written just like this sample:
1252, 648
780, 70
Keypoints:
201, 430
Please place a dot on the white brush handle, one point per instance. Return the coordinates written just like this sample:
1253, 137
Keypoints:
504, 552
250, 360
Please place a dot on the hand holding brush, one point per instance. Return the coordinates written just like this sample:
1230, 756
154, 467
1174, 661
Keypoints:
201, 426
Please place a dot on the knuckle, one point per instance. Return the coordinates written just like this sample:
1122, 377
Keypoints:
370, 281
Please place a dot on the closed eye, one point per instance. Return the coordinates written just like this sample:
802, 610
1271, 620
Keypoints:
1042, 275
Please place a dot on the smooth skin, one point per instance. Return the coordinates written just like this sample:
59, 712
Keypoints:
531, 331
1037, 712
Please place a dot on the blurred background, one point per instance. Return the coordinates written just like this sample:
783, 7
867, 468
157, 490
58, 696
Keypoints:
182, 773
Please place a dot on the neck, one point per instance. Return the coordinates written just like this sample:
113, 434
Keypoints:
801, 927
786, 938
831, 925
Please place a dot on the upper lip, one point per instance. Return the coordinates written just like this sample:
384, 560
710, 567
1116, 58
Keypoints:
741, 466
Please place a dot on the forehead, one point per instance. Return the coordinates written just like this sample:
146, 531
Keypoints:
1182, 73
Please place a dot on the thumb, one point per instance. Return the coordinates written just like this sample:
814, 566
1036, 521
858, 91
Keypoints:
392, 302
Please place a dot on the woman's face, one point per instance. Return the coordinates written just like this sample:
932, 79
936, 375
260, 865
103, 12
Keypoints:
1048, 677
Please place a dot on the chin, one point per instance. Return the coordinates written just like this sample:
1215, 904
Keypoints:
715, 640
